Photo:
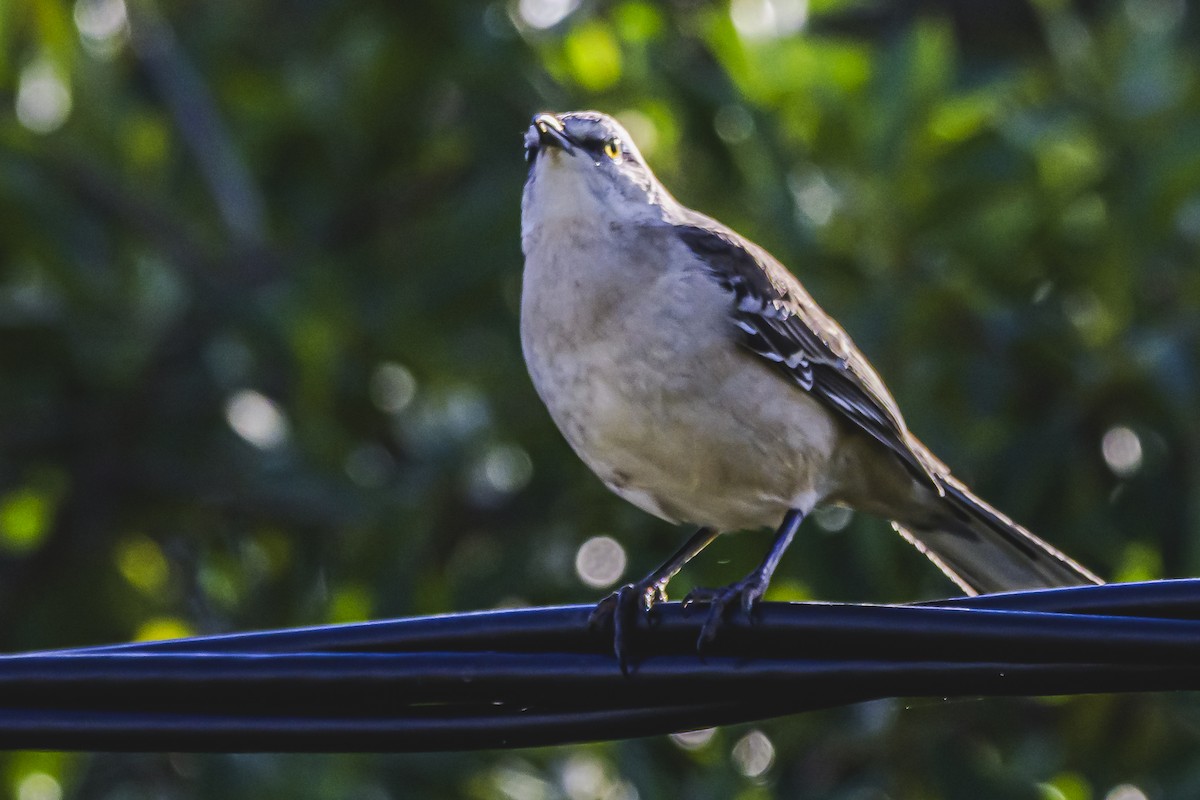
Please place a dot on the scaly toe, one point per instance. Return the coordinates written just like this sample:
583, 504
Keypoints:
621, 608
745, 593
751, 595
604, 611
717, 609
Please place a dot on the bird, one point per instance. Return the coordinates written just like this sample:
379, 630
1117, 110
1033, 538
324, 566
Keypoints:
699, 380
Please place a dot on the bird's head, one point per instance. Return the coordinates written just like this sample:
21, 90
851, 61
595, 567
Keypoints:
584, 165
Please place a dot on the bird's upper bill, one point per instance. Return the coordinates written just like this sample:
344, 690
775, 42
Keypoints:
546, 131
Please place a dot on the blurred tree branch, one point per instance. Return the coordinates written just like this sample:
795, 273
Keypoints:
199, 124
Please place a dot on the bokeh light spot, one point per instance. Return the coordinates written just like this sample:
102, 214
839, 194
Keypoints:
1138, 562
768, 19
594, 56
102, 25
392, 387
753, 754
1067, 786
693, 740
100, 19
257, 419
1091, 318
519, 781
733, 124
142, 564
600, 561
503, 470
465, 411
507, 468
158, 629
43, 99
541, 14
24, 520
1122, 450
350, 603
816, 198
583, 778
39, 786
1125, 791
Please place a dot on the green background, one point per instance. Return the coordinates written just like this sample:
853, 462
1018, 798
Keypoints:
300, 221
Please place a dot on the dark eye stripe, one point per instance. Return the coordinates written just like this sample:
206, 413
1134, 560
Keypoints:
597, 146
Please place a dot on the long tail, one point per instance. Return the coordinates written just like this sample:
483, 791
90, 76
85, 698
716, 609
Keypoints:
984, 551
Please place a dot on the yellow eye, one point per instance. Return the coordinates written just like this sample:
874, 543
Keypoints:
612, 149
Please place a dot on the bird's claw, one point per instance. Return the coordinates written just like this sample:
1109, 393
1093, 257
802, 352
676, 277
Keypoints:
747, 593
620, 608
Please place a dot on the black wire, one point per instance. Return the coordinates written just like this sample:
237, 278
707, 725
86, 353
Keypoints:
541, 676
321, 683
1171, 599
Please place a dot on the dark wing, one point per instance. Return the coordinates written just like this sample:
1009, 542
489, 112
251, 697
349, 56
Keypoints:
781, 323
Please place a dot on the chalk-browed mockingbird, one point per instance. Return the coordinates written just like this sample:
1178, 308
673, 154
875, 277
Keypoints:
696, 377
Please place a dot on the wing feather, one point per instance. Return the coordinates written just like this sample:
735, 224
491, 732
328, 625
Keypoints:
780, 322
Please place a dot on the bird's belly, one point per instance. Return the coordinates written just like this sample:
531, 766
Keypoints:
686, 467
702, 434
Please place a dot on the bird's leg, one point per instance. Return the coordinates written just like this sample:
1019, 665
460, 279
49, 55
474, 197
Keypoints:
750, 589
621, 605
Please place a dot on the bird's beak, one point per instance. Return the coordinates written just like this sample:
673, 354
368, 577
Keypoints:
546, 131
551, 132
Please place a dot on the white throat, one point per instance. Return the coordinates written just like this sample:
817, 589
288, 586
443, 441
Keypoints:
568, 192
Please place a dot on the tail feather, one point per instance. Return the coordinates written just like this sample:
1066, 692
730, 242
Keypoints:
984, 551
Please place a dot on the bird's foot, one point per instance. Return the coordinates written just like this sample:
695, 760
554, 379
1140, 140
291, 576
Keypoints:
747, 592
621, 608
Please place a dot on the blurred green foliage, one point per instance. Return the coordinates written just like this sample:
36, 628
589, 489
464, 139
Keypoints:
259, 270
